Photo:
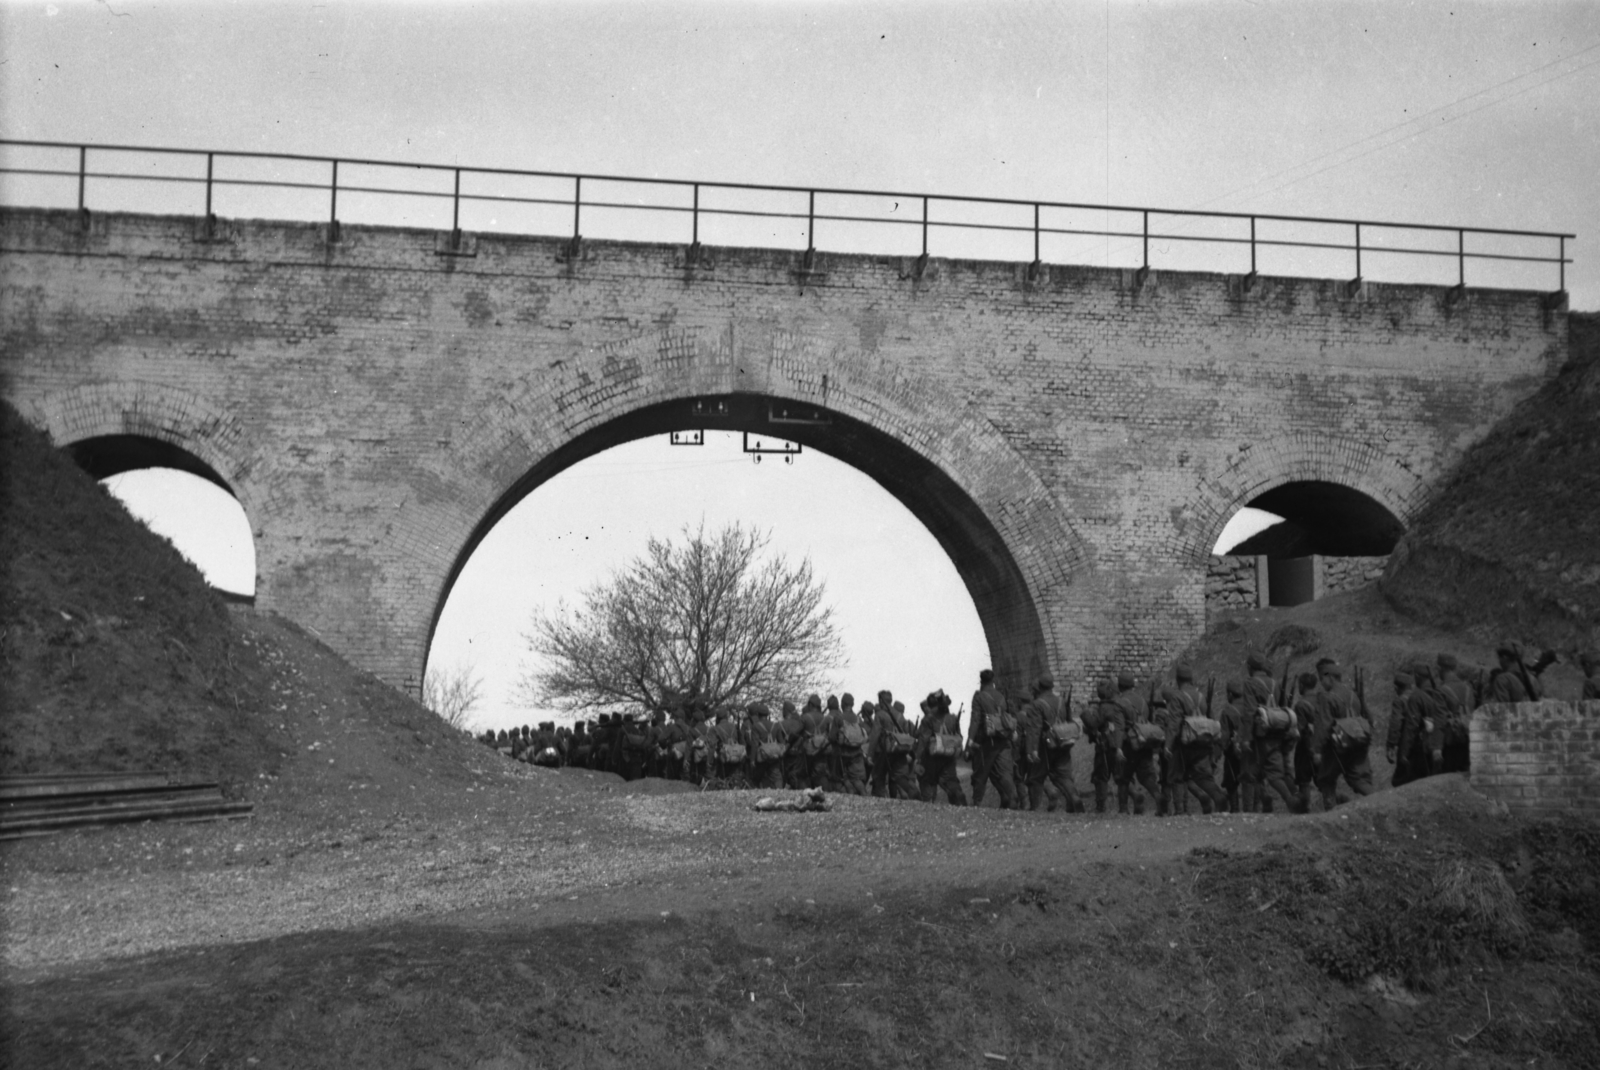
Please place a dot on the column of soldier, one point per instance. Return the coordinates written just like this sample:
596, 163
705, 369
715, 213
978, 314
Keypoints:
1272, 735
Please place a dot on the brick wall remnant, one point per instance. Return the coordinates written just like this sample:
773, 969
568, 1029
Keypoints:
1538, 757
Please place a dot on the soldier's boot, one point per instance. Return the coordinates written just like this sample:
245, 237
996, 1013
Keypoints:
1122, 800
1099, 798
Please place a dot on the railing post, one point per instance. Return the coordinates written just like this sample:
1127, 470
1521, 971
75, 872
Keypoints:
83, 174
1461, 258
1036, 232
1358, 252
333, 204
924, 229
455, 214
211, 220
1252, 245
695, 215
577, 206
811, 222
1146, 214
1561, 259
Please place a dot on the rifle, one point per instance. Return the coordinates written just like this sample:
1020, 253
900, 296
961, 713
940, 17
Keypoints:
1527, 681
1283, 685
1361, 693
1069, 702
1211, 689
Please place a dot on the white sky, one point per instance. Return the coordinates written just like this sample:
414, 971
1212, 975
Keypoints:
1457, 114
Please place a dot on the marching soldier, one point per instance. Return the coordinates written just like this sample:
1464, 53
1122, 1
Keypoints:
938, 748
1141, 750
894, 746
1341, 736
1235, 727
765, 746
1274, 743
847, 737
814, 747
1102, 726
1413, 732
1050, 731
1306, 706
989, 743
796, 770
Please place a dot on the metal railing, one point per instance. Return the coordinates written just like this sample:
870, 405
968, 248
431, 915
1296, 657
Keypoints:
937, 215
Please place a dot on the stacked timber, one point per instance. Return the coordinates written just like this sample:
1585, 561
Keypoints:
39, 805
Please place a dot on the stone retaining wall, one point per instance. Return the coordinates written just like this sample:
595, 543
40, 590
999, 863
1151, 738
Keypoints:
1538, 757
1232, 580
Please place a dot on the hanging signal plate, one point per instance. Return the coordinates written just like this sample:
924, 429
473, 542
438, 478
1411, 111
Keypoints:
783, 412
688, 438
760, 446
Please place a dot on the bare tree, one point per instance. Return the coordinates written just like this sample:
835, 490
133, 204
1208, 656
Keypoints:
452, 693
711, 616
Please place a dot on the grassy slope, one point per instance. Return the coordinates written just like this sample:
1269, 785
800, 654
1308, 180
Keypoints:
1510, 545
116, 655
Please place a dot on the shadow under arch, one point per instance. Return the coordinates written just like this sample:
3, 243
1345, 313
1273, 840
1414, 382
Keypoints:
104, 456
1324, 518
1011, 621
1318, 475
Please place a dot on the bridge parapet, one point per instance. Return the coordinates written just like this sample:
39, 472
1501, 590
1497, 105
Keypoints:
216, 183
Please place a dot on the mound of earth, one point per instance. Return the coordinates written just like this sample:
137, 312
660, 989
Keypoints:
1510, 543
115, 656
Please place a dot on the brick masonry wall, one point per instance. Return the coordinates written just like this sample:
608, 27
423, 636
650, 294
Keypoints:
372, 401
1538, 757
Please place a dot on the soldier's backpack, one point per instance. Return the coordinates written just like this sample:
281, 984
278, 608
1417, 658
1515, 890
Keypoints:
772, 750
679, 751
852, 735
1275, 720
733, 752
816, 742
1064, 733
1202, 729
901, 742
1351, 733
944, 745
1147, 734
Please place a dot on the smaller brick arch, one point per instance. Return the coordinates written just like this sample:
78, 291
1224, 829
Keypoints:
1261, 467
173, 416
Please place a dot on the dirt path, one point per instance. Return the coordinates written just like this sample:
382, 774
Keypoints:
608, 858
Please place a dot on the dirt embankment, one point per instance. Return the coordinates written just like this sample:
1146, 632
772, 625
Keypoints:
115, 655
1510, 544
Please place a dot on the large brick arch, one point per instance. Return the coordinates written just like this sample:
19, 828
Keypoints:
1349, 461
168, 414
1007, 535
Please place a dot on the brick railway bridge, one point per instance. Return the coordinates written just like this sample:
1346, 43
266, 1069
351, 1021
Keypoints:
376, 397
